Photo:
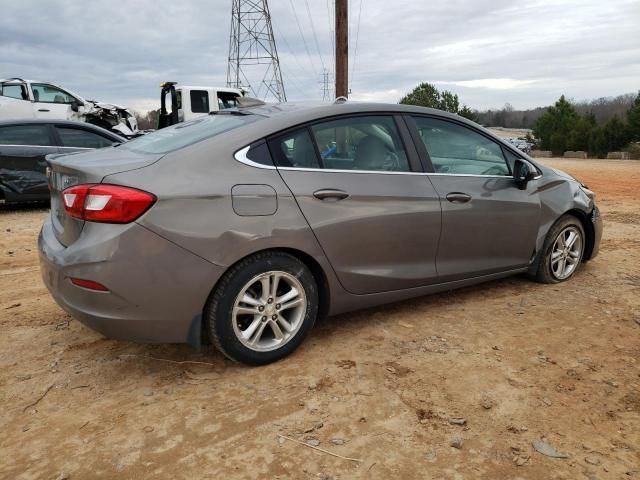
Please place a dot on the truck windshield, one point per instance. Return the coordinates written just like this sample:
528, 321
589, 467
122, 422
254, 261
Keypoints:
184, 134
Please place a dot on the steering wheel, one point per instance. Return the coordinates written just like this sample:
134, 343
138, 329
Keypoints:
391, 162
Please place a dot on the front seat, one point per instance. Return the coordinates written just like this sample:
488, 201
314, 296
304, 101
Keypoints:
371, 154
304, 154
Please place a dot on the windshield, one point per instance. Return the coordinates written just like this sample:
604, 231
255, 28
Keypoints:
187, 133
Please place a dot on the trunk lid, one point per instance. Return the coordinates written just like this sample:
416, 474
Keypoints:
66, 170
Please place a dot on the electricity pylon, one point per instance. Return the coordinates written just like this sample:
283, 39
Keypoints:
326, 85
251, 47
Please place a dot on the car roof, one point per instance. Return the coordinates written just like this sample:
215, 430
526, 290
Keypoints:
320, 109
66, 123
290, 114
200, 87
21, 80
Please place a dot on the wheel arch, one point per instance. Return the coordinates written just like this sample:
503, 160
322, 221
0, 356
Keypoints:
311, 263
589, 231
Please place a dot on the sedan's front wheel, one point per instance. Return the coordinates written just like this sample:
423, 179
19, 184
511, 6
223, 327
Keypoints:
562, 251
263, 308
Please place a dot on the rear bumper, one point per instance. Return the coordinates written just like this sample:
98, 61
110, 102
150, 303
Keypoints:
157, 290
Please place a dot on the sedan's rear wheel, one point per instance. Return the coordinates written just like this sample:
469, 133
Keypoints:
263, 308
562, 251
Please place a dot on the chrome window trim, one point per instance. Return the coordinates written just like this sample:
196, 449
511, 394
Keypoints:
29, 146
440, 174
241, 156
336, 170
45, 146
381, 172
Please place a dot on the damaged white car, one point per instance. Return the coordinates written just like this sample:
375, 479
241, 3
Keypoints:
32, 99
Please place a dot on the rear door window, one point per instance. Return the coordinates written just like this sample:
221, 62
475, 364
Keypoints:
80, 138
457, 150
14, 91
295, 149
199, 101
35, 135
227, 100
363, 143
369, 143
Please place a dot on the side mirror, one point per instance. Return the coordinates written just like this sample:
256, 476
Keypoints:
76, 104
523, 173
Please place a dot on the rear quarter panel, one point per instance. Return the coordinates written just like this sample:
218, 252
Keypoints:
195, 207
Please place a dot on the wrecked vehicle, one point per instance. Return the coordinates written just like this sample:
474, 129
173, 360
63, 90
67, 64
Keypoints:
242, 227
187, 103
24, 145
33, 99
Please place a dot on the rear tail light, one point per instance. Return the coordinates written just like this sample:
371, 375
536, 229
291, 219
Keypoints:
89, 284
106, 203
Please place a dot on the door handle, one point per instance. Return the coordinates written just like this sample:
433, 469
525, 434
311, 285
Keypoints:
43, 110
458, 197
330, 194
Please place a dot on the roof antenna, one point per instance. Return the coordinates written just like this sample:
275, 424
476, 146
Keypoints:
340, 100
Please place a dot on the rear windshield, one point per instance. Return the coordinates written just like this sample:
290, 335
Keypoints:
187, 133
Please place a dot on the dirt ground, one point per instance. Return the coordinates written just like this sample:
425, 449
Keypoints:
518, 361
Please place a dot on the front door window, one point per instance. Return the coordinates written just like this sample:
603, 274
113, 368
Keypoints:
43, 93
456, 149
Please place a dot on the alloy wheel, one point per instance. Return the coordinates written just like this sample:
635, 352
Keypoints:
269, 311
566, 253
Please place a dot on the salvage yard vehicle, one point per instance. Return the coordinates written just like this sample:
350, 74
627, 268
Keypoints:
24, 145
187, 102
244, 226
32, 99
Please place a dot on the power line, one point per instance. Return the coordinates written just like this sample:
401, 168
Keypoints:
355, 50
286, 43
293, 81
333, 46
304, 71
315, 37
304, 41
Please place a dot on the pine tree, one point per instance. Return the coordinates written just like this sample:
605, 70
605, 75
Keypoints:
554, 126
466, 112
427, 95
424, 95
580, 135
633, 120
615, 134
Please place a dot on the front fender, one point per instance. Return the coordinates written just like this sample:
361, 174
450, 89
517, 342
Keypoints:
561, 195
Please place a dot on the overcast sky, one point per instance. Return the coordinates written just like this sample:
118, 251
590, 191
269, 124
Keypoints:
489, 52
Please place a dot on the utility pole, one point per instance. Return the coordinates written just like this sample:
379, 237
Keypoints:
342, 48
251, 47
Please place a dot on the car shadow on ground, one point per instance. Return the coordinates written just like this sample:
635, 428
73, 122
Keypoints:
330, 329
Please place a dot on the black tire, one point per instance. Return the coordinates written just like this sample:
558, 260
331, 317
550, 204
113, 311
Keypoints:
544, 273
218, 312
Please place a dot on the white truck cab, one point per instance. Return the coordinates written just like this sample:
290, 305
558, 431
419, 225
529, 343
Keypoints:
189, 102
